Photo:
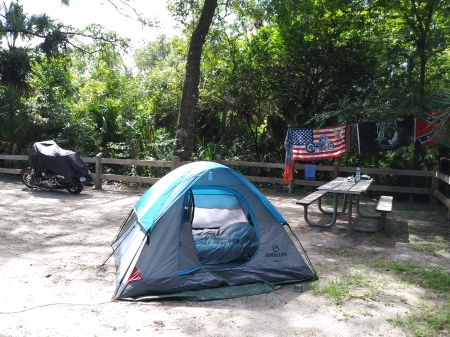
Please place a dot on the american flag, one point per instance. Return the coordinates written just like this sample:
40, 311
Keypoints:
318, 144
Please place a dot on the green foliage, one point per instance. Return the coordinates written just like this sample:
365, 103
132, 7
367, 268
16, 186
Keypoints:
80, 137
329, 58
16, 27
152, 54
269, 65
52, 88
15, 68
161, 66
16, 131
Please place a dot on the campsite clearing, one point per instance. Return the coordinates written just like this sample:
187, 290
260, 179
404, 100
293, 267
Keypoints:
391, 283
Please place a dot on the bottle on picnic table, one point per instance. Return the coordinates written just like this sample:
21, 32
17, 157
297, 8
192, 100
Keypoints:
358, 174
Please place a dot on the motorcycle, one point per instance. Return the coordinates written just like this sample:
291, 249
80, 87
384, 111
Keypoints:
52, 167
323, 145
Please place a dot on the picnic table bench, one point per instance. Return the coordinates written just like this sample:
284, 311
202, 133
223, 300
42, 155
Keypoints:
307, 201
384, 206
310, 198
349, 189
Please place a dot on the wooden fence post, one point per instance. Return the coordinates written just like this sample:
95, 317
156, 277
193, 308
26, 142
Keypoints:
98, 171
218, 159
335, 169
434, 184
175, 162
291, 182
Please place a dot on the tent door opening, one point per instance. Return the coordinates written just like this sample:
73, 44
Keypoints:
222, 227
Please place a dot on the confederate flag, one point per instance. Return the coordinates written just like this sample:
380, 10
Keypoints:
424, 128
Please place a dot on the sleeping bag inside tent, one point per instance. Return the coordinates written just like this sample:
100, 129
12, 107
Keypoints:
204, 232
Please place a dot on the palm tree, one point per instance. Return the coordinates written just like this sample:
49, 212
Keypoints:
15, 59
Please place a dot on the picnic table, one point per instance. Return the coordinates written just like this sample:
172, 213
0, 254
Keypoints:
351, 192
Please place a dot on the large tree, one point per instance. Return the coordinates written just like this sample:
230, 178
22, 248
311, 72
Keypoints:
185, 125
423, 27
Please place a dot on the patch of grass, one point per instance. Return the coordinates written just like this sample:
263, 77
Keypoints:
418, 230
359, 285
428, 278
336, 290
439, 239
389, 303
425, 247
433, 244
428, 321
329, 201
378, 237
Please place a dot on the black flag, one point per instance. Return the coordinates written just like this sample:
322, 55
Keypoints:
385, 135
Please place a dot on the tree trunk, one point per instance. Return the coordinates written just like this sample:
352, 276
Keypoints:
417, 154
189, 98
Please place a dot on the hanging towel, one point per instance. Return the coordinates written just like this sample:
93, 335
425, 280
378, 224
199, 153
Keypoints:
310, 172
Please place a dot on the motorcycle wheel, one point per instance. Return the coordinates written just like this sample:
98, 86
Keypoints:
76, 189
28, 179
310, 147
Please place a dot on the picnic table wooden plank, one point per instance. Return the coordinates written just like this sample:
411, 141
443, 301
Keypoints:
361, 186
384, 204
310, 198
343, 187
332, 184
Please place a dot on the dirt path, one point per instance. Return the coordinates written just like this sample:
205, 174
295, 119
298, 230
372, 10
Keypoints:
53, 283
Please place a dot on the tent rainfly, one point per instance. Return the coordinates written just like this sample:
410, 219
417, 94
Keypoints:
205, 232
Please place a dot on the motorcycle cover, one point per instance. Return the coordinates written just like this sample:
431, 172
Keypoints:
49, 156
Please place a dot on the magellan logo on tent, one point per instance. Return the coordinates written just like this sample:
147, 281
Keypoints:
276, 252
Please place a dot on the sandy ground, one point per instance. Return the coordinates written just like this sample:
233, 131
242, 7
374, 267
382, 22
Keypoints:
53, 245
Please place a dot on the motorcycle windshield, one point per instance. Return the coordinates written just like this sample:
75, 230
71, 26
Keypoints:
49, 156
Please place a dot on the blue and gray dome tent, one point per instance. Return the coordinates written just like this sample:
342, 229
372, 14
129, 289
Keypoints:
204, 232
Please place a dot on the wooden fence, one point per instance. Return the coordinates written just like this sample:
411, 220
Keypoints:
437, 178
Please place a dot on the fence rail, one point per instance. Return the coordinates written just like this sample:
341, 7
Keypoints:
100, 162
